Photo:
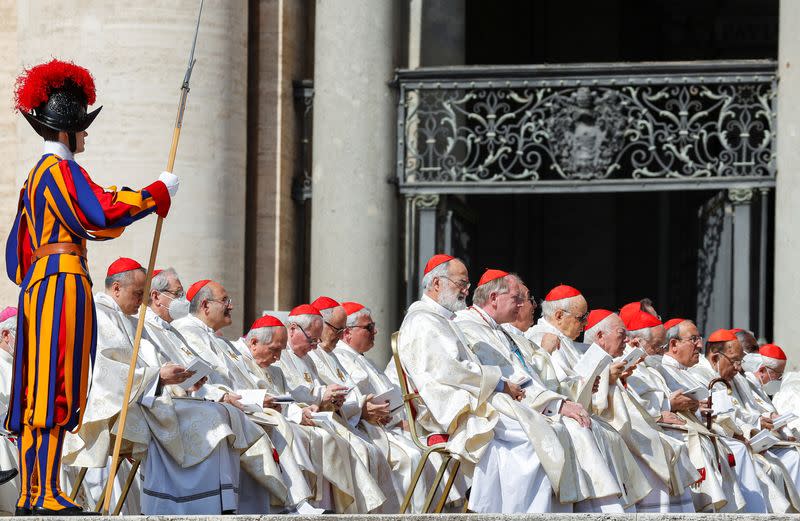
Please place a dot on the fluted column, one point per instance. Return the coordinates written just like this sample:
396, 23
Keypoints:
353, 225
138, 53
787, 215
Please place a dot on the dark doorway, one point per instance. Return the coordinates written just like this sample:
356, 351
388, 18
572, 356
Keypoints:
614, 247
577, 31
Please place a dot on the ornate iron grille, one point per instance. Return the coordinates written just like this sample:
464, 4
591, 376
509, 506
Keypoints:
591, 127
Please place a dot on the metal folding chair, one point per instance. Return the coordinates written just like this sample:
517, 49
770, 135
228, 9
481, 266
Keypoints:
434, 443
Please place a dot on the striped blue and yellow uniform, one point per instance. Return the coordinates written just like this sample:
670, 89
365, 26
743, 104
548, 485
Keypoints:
56, 329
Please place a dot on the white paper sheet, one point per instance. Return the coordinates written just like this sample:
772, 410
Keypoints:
201, 369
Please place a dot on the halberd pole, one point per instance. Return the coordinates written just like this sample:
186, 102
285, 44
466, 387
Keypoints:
176, 134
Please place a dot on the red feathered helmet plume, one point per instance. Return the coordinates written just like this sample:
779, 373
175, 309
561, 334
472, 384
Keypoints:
55, 95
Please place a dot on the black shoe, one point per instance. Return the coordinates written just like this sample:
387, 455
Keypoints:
7, 475
69, 511
19, 512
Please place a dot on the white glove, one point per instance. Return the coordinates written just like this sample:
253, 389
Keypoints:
171, 181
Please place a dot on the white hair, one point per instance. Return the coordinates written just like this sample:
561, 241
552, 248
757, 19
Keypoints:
438, 272
204, 293
326, 313
262, 335
499, 286
304, 321
160, 282
352, 320
590, 335
549, 307
646, 333
9, 324
675, 331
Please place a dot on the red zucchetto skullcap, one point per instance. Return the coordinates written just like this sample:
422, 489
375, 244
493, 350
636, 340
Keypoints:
669, 324
352, 307
266, 321
629, 310
772, 351
490, 275
156, 272
640, 320
596, 316
439, 258
561, 292
122, 265
722, 335
194, 288
305, 309
325, 303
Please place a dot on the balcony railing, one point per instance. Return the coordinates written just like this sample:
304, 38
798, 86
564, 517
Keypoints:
598, 127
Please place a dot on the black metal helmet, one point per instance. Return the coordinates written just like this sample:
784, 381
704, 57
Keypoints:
55, 95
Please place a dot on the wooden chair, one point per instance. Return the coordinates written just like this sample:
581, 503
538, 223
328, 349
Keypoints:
126, 488
434, 443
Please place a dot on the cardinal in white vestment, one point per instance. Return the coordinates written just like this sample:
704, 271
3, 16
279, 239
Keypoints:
195, 449
467, 404
191, 439
168, 303
663, 460
9, 482
718, 489
761, 374
768, 477
500, 298
370, 471
318, 456
346, 336
648, 400
564, 316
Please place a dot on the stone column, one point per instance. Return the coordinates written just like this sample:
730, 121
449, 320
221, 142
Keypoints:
11, 175
138, 54
278, 55
354, 254
787, 234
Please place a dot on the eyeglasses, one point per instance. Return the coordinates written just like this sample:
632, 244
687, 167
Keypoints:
579, 318
369, 327
173, 294
778, 376
337, 330
734, 363
312, 341
227, 301
461, 284
694, 339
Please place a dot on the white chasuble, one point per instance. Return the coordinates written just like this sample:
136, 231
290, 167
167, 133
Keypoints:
397, 445
629, 477
306, 387
718, 489
495, 346
460, 401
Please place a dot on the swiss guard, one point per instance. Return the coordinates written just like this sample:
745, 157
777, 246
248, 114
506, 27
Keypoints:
60, 208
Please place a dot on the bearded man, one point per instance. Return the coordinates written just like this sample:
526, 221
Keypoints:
477, 413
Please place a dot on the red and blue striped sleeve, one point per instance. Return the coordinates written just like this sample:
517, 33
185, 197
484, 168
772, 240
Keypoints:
92, 212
